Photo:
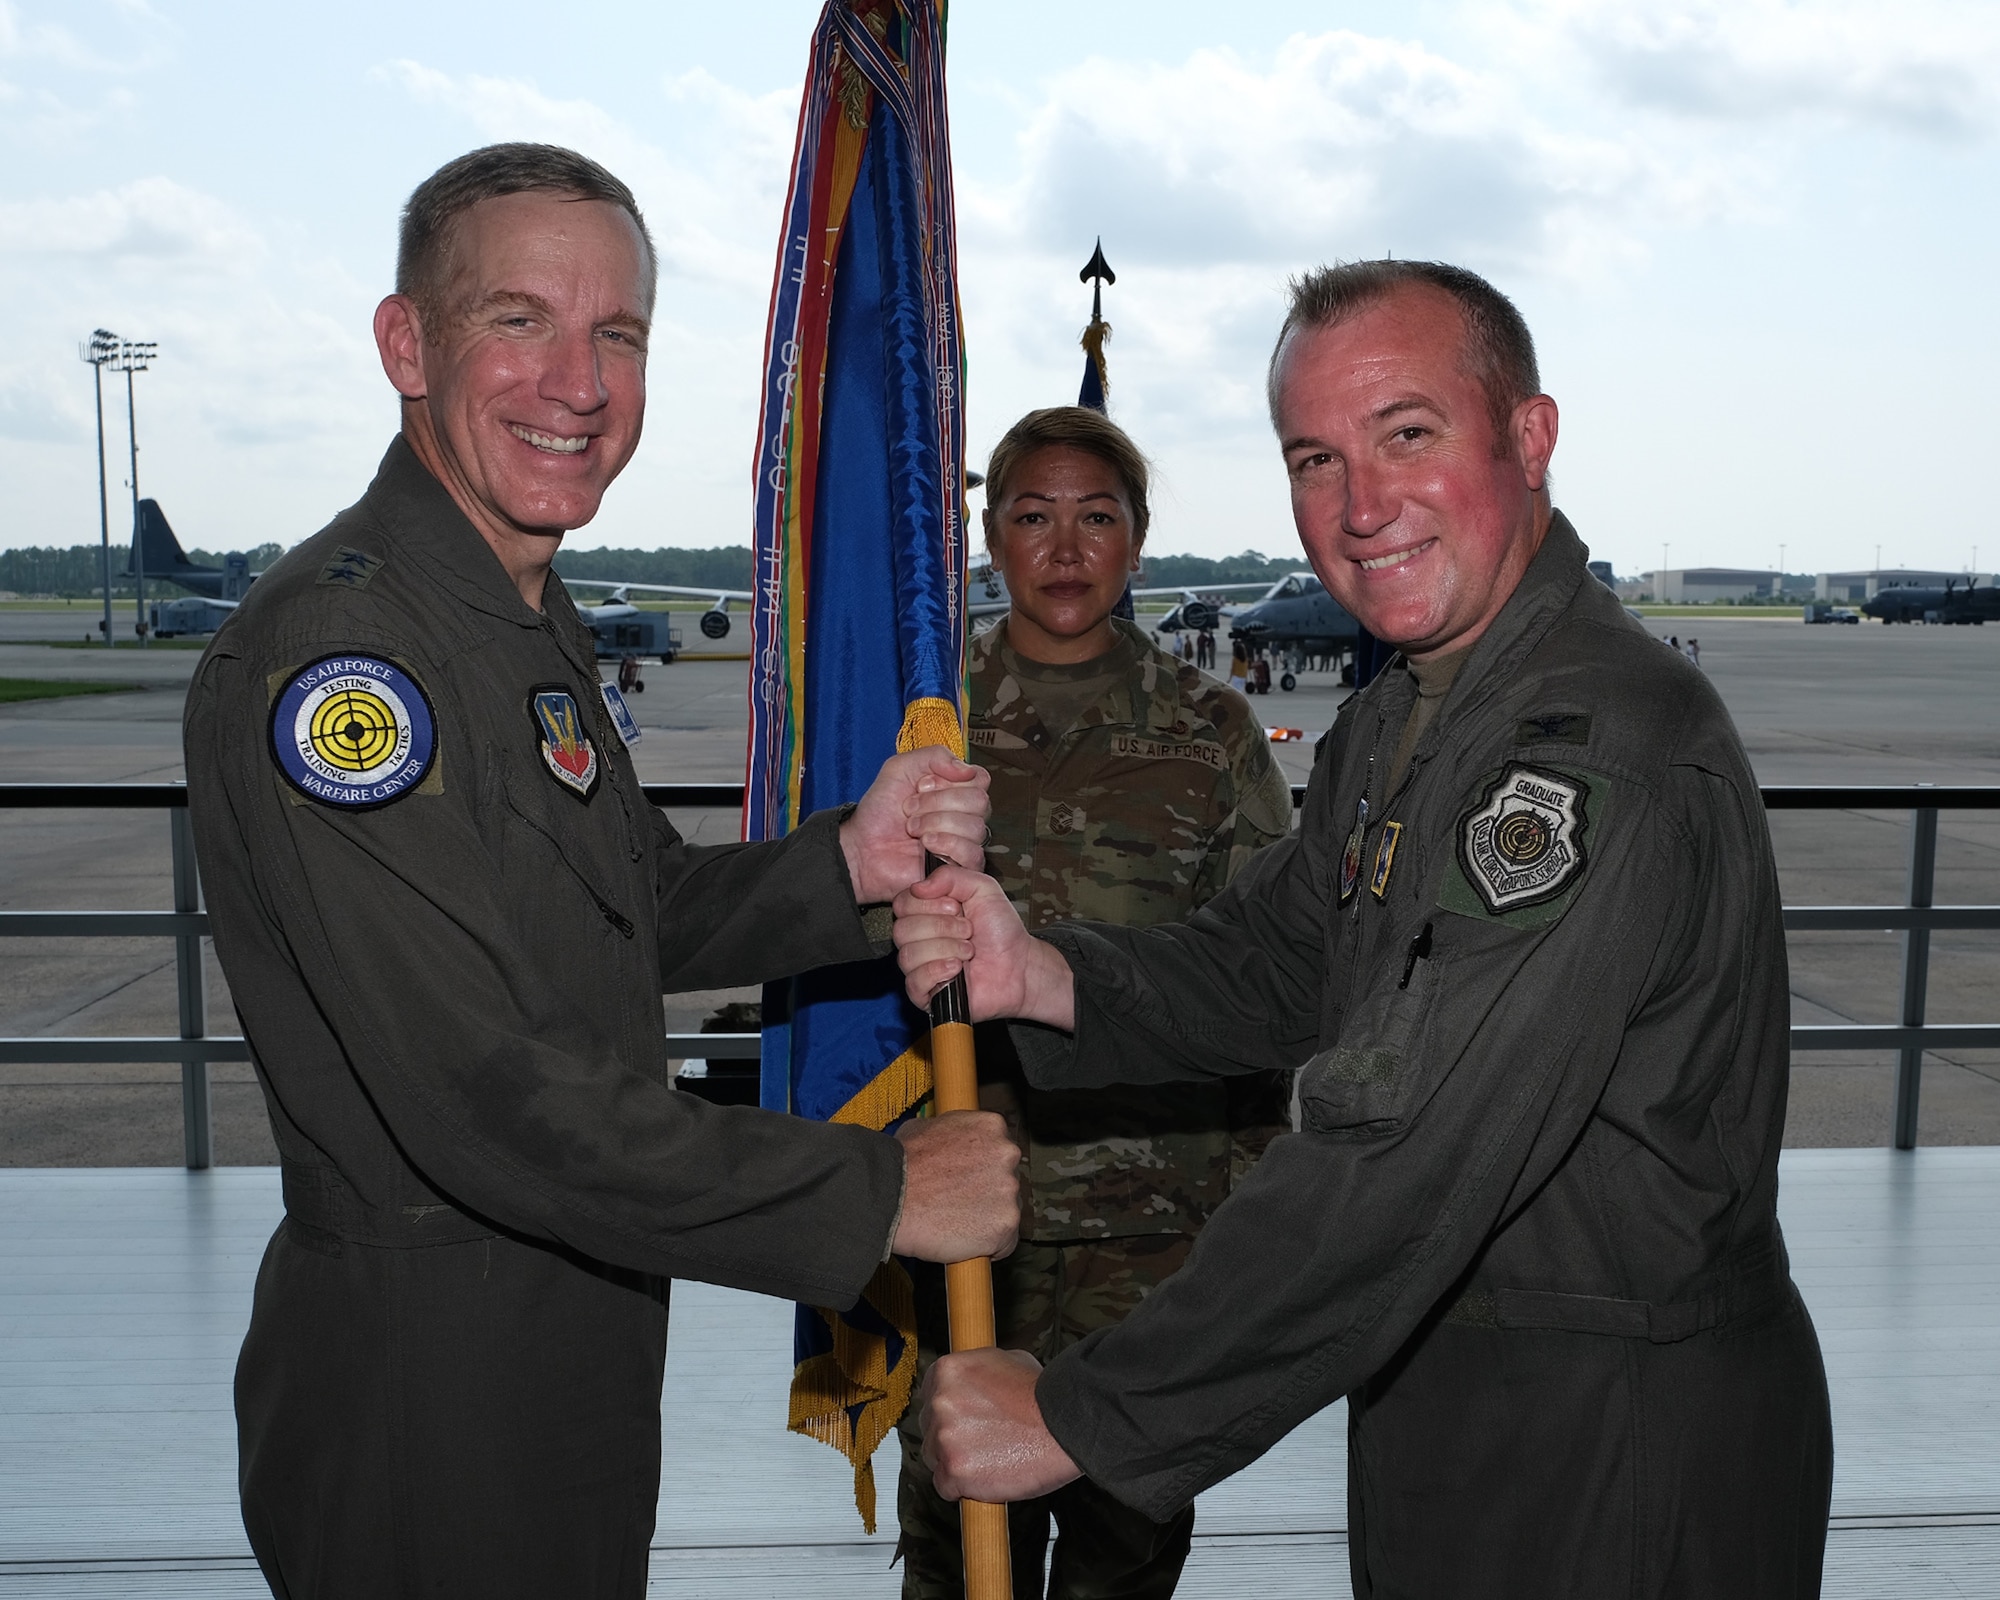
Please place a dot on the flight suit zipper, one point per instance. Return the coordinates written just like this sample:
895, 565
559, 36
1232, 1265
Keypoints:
611, 914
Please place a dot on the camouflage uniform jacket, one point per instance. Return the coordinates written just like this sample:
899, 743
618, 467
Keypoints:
1138, 815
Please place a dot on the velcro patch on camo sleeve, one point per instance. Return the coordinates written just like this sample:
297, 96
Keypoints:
1523, 845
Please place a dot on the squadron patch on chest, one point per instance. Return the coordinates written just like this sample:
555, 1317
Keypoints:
1522, 845
353, 731
566, 749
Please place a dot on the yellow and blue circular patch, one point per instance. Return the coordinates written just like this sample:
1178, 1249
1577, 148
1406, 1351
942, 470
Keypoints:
353, 731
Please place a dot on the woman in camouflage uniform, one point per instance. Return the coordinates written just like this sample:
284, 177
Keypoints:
1127, 787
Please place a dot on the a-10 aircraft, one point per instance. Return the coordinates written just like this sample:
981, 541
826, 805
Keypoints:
1951, 604
1297, 615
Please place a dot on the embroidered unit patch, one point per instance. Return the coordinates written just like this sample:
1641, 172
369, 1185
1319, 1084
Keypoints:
353, 731
566, 749
621, 714
1385, 859
1350, 857
1523, 843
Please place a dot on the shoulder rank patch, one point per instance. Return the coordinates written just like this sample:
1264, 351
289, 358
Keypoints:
353, 731
1522, 845
350, 569
621, 714
1555, 727
566, 749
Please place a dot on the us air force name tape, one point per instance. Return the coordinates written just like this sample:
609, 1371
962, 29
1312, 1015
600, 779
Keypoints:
353, 731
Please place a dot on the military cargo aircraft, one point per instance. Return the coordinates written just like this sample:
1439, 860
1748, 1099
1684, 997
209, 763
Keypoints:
1968, 605
164, 558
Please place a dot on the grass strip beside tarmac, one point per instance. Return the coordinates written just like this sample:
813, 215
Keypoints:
12, 689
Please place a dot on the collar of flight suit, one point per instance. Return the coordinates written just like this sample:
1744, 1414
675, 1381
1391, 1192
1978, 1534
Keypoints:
428, 527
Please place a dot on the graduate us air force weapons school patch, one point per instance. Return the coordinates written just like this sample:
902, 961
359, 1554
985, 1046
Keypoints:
1523, 845
566, 749
353, 731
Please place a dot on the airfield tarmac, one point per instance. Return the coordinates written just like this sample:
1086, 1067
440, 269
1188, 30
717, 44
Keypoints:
1815, 705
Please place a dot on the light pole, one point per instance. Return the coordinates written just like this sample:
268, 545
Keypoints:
103, 347
135, 356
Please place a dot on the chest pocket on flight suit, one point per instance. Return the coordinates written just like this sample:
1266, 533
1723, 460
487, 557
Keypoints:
1375, 1081
548, 846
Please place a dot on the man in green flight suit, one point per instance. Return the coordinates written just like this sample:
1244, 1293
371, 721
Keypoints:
1127, 788
1527, 951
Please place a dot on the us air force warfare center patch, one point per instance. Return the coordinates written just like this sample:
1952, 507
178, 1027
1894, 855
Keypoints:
353, 731
1522, 845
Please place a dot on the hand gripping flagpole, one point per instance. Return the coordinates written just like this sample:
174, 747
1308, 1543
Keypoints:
968, 1285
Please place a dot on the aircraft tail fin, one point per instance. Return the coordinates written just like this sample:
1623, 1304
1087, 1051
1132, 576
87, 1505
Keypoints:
156, 543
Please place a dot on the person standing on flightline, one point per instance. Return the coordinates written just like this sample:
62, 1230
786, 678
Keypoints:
1530, 954
1126, 788
447, 913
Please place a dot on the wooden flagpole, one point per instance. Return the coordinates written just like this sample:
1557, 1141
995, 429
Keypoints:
968, 1284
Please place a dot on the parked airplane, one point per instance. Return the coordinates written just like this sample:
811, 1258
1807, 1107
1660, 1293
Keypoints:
164, 558
622, 629
987, 597
1968, 605
1297, 614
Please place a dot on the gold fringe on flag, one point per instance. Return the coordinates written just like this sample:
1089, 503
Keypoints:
851, 1397
931, 721
1093, 346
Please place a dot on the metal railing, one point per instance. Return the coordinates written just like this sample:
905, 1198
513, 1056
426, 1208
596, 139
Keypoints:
195, 1047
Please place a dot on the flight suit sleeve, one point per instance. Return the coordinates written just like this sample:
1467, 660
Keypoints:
734, 914
1259, 1102
1236, 988
499, 1082
1444, 1106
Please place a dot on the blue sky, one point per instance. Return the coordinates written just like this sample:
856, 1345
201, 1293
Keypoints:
1756, 241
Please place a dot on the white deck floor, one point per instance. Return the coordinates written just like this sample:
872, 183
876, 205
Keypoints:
123, 1295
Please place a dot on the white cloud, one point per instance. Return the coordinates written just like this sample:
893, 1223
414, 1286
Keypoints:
151, 222
1925, 66
714, 218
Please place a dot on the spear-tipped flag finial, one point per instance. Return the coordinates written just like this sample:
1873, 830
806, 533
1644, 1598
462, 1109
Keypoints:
1096, 376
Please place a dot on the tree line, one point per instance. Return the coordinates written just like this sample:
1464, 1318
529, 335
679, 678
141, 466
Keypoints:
77, 572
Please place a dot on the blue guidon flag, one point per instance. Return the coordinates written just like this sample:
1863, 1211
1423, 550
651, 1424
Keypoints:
353, 731
858, 626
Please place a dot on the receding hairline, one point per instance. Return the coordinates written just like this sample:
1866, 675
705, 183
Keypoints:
455, 263
1378, 297
428, 263
1495, 345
